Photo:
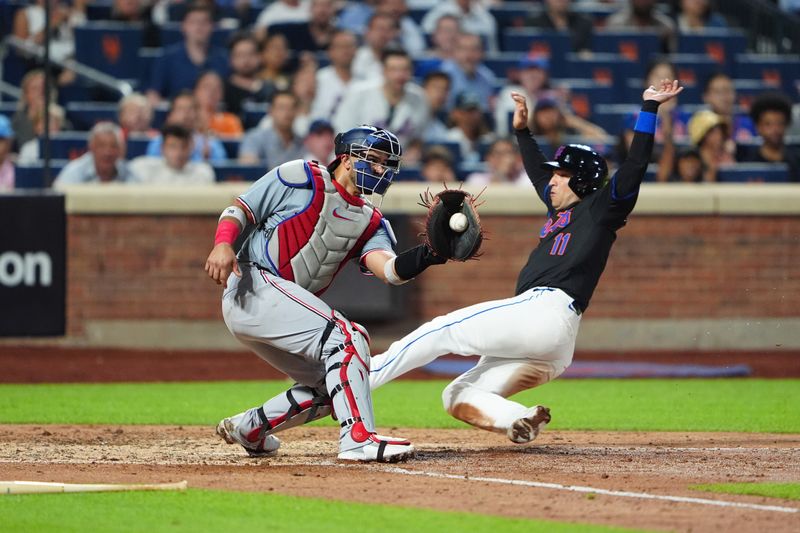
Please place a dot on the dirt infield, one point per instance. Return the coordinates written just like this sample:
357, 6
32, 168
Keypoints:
464, 470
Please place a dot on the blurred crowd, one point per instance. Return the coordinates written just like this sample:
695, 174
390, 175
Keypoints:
306, 69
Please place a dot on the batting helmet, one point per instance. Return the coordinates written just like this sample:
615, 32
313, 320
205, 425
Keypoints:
376, 153
588, 168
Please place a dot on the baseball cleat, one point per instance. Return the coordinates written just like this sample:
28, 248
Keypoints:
380, 449
266, 447
528, 427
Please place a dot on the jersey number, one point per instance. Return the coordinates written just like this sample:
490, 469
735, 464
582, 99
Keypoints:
560, 244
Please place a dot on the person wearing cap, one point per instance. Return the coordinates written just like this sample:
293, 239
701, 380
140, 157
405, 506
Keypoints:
710, 134
533, 72
468, 73
319, 142
557, 15
469, 127
6, 165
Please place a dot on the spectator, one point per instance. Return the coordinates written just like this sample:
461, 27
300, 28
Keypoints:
277, 144
184, 112
336, 77
469, 127
437, 88
503, 165
719, 95
395, 103
244, 84
534, 79
355, 16
772, 115
696, 15
6, 165
211, 119
275, 63
315, 34
135, 115
468, 73
672, 126
319, 142
181, 64
473, 18
548, 121
282, 12
29, 107
138, 12
688, 167
411, 38
381, 31
641, 14
30, 153
174, 166
103, 163
710, 135
445, 37
557, 15
304, 88
437, 165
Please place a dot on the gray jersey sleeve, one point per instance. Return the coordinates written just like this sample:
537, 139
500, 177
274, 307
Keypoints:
264, 197
383, 239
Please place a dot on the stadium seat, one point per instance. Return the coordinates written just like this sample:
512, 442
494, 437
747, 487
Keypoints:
585, 94
147, 57
754, 173
776, 72
721, 45
602, 68
171, 34
638, 46
694, 69
112, 48
137, 146
99, 10
409, 173
231, 147
233, 171
504, 65
511, 14
32, 176
611, 117
84, 115
66, 145
548, 43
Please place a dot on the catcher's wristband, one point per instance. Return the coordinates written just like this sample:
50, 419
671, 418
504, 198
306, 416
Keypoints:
227, 231
414, 261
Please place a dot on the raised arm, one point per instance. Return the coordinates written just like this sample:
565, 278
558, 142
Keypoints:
532, 156
626, 181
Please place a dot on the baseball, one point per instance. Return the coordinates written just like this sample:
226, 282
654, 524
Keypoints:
458, 222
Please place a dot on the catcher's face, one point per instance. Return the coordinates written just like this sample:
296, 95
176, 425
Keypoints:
561, 195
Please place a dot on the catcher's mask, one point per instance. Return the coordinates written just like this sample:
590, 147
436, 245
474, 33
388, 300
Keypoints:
376, 157
588, 168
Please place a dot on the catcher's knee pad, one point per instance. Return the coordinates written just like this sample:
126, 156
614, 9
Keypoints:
347, 380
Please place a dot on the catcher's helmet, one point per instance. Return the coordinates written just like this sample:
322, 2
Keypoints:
588, 168
362, 142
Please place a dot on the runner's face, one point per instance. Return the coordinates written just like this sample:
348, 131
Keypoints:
560, 194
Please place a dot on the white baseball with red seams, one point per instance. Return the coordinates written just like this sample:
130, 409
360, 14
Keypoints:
458, 222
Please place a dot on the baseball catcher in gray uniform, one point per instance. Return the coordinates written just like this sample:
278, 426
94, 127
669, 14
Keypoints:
306, 221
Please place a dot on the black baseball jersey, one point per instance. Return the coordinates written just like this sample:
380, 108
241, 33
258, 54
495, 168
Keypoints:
575, 242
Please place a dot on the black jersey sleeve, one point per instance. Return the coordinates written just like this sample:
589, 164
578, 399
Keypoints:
620, 195
532, 158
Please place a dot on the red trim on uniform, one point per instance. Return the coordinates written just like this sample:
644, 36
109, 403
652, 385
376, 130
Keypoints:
253, 435
293, 297
249, 212
349, 198
358, 432
295, 232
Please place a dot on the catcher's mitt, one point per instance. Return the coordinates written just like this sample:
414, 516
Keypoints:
444, 241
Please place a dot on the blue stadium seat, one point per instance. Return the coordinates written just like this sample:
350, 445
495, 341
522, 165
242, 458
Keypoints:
548, 43
611, 117
638, 46
8, 108
603, 68
171, 34
720, 44
597, 11
84, 115
504, 65
66, 144
99, 10
232, 171
409, 173
694, 69
32, 176
147, 57
137, 146
110, 47
252, 117
510, 14
777, 72
231, 147
754, 173
585, 94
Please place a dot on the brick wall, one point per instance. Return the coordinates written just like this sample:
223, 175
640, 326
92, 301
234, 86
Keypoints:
151, 267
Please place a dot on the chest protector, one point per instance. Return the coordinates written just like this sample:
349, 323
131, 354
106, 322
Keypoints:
310, 247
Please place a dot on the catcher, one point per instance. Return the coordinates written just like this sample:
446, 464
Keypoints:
528, 339
305, 221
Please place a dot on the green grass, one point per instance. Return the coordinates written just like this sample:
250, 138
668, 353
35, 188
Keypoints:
786, 491
751, 405
201, 510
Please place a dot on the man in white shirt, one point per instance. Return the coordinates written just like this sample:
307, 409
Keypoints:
174, 168
103, 163
381, 31
334, 80
282, 12
395, 103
